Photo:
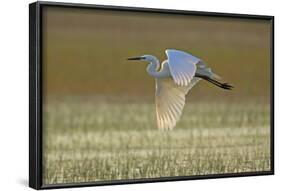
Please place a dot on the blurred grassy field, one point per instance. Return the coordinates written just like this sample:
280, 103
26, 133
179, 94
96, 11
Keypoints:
96, 141
99, 113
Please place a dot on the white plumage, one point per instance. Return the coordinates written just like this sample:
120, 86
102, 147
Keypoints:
170, 101
182, 66
174, 78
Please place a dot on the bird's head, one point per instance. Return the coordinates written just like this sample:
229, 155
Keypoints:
146, 58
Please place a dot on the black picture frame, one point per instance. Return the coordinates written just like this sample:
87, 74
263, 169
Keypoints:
35, 94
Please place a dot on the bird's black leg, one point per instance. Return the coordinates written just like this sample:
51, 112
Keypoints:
215, 82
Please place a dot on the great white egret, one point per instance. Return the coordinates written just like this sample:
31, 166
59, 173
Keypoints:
174, 78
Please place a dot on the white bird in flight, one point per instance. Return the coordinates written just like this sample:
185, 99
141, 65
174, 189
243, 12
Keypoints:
174, 78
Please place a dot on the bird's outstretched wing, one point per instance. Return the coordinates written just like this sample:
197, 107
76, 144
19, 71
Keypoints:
170, 100
182, 66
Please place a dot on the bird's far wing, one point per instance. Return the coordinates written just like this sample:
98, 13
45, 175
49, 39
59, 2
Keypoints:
170, 100
182, 66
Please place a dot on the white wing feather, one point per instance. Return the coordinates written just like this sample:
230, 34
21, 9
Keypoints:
170, 100
182, 66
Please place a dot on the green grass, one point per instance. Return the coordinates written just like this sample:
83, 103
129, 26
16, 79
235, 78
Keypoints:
90, 140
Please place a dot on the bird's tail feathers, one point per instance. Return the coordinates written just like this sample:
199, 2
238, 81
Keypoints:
215, 76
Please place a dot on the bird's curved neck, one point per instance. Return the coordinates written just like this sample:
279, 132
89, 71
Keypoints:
153, 67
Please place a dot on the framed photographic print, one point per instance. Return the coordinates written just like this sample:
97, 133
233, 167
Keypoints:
124, 95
